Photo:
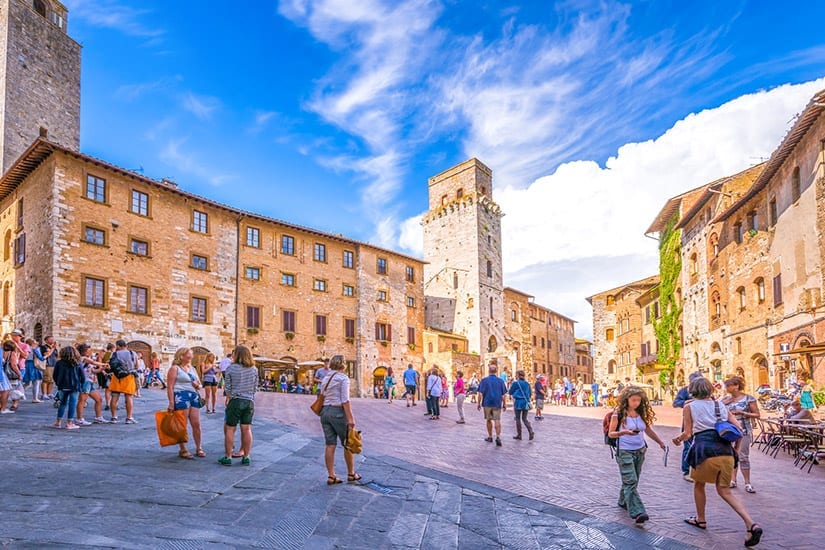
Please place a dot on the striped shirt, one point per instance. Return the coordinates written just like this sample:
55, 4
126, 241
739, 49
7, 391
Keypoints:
241, 382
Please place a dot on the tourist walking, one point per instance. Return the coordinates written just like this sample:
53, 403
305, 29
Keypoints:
594, 390
445, 392
240, 384
6, 373
35, 366
434, 394
48, 350
90, 370
631, 421
123, 381
22, 353
541, 394
683, 398
337, 419
211, 373
319, 375
410, 384
68, 377
473, 388
460, 394
711, 458
154, 371
182, 391
521, 394
492, 391
389, 383
744, 407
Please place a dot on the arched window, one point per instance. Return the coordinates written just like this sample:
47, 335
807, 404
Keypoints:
459, 193
7, 246
760, 289
609, 334
492, 344
714, 245
611, 366
455, 280
489, 268
716, 303
38, 332
6, 305
430, 347
738, 344
611, 300
796, 185
693, 264
743, 297
39, 7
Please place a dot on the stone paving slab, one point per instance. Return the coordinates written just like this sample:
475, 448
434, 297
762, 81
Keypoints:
112, 486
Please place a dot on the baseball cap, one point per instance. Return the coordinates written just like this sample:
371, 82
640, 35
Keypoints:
17, 331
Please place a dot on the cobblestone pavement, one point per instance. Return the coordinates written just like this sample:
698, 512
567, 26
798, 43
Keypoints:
567, 465
112, 486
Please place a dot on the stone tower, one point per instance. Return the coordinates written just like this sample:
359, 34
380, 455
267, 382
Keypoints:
39, 78
463, 287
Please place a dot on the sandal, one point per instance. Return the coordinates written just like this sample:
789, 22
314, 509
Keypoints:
333, 480
749, 488
696, 523
200, 453
183, 453
755, 535
733, 485
351, 478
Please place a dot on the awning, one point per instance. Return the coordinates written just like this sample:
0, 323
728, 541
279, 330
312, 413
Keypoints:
311, 364
815, 348
274, 361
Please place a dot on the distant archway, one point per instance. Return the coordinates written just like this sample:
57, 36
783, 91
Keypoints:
144, 349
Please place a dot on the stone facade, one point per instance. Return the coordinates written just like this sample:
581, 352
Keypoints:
752, 276
124, 256
463, 266
39, 78
617, 331
584, 360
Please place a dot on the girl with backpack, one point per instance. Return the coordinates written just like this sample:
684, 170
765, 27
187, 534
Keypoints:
631, 420
521, 393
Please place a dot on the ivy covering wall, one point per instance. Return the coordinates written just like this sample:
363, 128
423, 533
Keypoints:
667, 326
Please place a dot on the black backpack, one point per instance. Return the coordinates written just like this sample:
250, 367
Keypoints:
118, 367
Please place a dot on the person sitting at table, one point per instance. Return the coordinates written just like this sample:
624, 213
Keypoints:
797, 413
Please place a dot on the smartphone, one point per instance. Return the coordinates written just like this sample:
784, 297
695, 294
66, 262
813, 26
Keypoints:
635, 431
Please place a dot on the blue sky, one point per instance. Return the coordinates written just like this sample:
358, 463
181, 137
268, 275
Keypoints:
333, 113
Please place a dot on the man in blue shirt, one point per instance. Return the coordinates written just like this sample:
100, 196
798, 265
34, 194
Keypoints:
493, 393
410, 383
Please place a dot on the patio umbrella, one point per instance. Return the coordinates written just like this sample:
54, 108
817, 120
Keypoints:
274, 361
311, 364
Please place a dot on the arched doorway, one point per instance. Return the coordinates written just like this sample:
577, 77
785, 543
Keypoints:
611, 366
143, 349
38, 332
716, 370
379, 374
805, 362
761, 366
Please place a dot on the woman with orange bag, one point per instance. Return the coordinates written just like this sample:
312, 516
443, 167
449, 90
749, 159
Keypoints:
182, 386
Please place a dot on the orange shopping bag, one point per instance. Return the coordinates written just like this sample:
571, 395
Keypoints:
171, 427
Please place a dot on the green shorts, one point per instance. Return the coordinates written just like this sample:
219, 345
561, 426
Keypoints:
239, 411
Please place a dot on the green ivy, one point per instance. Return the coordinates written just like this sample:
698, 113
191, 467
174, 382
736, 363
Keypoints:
667, 326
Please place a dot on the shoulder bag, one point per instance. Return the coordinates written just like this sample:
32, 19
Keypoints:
725, 429
318, 404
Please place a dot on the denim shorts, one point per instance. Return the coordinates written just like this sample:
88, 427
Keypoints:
185, 399
334, 423
88, 387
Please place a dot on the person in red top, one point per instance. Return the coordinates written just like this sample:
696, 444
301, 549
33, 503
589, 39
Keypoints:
460, 393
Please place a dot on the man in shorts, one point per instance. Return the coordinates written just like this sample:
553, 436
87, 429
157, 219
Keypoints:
493, 392
541, 394
410, 384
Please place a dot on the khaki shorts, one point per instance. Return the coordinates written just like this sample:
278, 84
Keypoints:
716, 469
48, 375
492, 413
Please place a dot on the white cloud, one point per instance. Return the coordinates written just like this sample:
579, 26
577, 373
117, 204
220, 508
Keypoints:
200, 106
113, 15
175, 155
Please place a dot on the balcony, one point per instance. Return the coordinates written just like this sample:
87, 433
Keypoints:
648, 359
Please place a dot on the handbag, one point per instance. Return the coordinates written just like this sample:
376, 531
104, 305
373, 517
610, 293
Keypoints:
521, 391
318, 404
725, 429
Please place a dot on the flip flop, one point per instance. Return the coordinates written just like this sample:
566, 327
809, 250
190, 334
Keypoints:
186, 454
696, 523
333, 480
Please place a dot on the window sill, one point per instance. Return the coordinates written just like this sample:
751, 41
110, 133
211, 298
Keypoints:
104, 245
105, 203
100, 308
204, 233
139, 215
149, 256
200, 322
147, 314
199, 269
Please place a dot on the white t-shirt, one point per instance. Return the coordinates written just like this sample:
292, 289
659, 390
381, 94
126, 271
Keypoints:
434, 385
224, 364
636, 441
703, 413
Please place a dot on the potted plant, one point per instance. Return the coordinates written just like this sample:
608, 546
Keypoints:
321, 338
411, 346
289, 335
384, 343
349, 340
252, 330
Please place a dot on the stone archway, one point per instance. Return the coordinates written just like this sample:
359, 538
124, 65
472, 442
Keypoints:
143, 349
761, 365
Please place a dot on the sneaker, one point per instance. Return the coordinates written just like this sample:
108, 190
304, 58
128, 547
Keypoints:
114, 420
100, 420
6, 411
83, 422
459, 422
131, 421
246, 461
641, 518
225, 461
498, 442
72, 427
488, 439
